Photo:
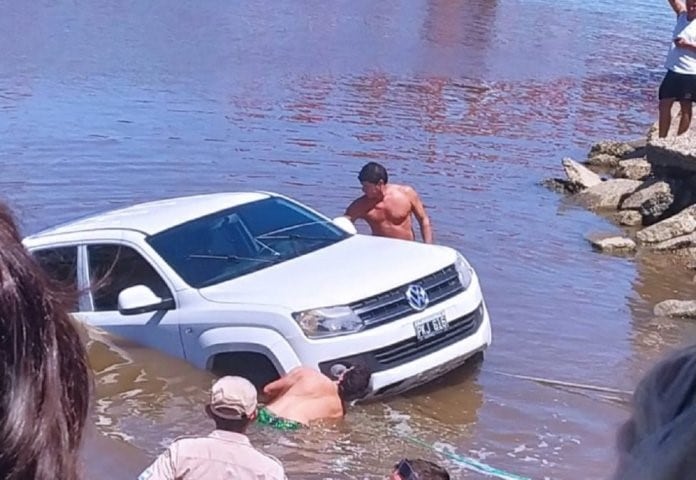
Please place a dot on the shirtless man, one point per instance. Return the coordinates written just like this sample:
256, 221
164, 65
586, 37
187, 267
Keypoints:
387, 208
305, 395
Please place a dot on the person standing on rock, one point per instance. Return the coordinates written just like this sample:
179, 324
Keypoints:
679, 83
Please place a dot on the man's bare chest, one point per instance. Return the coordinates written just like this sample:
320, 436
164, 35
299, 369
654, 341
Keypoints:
396, 212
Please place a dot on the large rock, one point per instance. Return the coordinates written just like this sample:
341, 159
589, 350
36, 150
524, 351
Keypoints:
603, 160
676, 152
579, 175
676, 308
656, 208
629, 218
609, 194
680, 224
617, 149
652, 200
613, 244
634, 169
559, 185
677, 243
645, 193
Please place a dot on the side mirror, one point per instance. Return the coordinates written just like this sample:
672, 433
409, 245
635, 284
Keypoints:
345, 224
140, 299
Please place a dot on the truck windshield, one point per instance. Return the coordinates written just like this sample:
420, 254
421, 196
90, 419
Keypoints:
243, 239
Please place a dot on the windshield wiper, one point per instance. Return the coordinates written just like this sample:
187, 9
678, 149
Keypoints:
294, 236
293, 227
232, 258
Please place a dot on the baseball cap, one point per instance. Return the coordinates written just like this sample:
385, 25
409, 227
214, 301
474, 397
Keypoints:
233, 398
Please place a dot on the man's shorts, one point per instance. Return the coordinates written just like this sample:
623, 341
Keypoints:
678, 86
266, 417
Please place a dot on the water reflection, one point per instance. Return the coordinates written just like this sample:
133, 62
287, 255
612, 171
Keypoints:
471, 102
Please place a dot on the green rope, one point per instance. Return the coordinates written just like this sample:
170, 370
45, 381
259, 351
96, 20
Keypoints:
470, 463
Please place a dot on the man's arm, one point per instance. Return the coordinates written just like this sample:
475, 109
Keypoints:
354, 210
421, 216
677, 6
276, 387
680, 42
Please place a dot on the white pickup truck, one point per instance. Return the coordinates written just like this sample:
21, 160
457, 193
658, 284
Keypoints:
255, 283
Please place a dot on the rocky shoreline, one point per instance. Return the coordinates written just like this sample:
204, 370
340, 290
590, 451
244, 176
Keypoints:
648, 188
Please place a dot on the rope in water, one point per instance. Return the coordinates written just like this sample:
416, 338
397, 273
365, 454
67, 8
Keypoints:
470, 463
559, 383
480, 467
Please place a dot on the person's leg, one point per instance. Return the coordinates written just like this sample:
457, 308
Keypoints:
669, 91
685, 120
665, 116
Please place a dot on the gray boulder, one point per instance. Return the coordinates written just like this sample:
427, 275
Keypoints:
634, 169
559, 185
603, 160
676, 308
579, 175
677, 243
629, 218
609, 194
613, 244
680, 224
617, 149
647, 192
656, 208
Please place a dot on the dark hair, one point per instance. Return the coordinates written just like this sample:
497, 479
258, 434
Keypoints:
237, 425
373, 172
659, 440
45, 380
355, 383
427, 470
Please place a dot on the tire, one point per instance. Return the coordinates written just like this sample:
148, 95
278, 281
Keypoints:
255, 367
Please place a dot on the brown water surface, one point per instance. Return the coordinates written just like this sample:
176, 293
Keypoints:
470, 101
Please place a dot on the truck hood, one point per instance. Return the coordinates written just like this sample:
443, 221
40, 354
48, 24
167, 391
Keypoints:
353, 269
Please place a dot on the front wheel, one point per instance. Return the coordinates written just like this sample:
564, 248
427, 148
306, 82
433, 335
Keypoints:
255, 367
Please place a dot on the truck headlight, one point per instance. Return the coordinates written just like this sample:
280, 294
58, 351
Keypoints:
328, 321
464, 271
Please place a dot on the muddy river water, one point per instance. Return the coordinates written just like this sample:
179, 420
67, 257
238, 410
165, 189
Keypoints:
103, 104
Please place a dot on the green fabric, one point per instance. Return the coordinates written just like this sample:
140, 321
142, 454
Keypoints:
266, 417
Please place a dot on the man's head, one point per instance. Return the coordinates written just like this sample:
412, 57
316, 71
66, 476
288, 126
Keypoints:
418, 469
232, 403
353, 382
691, 9
373, 178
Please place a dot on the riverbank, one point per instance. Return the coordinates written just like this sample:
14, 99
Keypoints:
647, 187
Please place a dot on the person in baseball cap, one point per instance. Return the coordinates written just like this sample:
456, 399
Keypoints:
226, 453
233, 398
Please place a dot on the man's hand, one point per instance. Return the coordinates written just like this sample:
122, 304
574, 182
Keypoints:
683, 43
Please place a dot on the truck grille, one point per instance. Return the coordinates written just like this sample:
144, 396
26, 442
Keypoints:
410, 349
392, 304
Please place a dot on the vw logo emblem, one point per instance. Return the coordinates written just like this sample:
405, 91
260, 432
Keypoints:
417, 297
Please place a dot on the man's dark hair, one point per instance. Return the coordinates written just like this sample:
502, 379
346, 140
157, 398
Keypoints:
427, 470
355, 383
373, 172
237, 425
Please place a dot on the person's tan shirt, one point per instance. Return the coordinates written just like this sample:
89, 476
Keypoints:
221, 455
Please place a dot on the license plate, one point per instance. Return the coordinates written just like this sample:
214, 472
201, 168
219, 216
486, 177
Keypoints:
430, 327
